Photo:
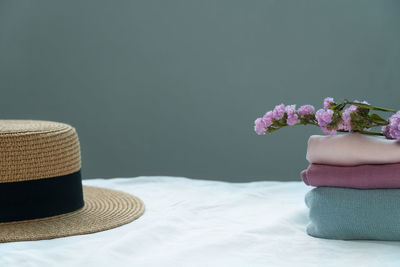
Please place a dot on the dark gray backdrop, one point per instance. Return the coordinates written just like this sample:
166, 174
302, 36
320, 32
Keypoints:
172, 87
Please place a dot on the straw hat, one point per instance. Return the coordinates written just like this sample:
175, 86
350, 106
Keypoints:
41, 193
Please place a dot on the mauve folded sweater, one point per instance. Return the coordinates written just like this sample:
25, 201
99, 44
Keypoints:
361, 176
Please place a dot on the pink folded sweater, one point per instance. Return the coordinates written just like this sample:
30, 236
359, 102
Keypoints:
361, 176
352, 149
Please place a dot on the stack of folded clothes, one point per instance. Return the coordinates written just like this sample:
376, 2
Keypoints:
357, 194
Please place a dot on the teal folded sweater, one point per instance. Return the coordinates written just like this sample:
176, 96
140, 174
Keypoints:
345, 213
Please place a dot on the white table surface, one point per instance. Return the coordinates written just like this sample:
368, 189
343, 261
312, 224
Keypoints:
205, 223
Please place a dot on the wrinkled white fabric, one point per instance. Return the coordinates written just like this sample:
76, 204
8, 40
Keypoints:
204, 223
352, 149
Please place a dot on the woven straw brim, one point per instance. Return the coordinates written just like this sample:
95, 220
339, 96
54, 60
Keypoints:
104, 209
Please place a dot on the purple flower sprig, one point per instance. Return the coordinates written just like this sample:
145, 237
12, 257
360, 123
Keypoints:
282, 116
348, 116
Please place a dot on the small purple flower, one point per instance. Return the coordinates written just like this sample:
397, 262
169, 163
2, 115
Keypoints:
328, 131
324, 117
306, 110
346, 117
292, 117
259, 126
268, 115
385, 132
393, 129
278, 112
268, 120
328, 102
340, 125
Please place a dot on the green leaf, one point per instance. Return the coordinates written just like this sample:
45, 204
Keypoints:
377, 118
270, 129
338, 107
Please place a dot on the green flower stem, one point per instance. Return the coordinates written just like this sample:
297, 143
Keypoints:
363, 132
361, 105
370, 133
364, 119
359, 121
342, 131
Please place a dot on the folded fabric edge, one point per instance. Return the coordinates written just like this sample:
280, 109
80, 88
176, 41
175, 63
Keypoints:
304, 177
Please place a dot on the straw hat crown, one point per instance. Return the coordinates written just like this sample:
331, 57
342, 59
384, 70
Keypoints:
32, 150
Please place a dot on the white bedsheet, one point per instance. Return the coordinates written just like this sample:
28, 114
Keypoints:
205, 223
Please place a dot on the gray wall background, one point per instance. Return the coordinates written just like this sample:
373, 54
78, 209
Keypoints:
159, 87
